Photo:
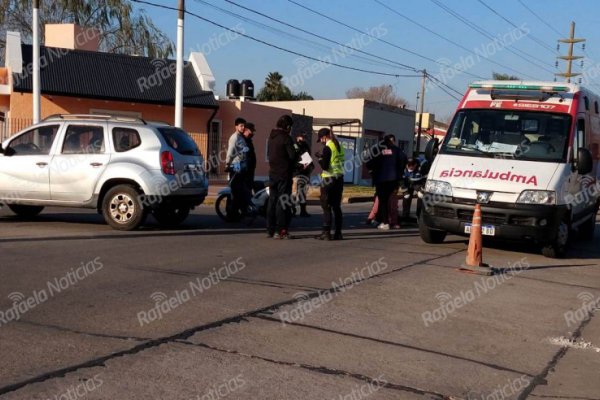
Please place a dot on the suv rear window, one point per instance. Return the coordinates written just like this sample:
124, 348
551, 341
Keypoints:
179, 141
125, 139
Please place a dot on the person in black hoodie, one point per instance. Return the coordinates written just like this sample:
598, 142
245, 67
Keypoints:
282, 159
388, 170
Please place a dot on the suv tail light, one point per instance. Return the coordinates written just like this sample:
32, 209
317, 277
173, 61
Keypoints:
166, 163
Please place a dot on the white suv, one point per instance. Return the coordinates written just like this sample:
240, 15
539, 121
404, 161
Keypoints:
123, 167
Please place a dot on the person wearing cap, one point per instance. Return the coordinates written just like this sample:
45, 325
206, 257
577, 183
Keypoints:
236, 164
282, 159
302, 174
332, 184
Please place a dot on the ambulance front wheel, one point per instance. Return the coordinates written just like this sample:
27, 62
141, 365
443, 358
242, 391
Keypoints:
558, 247
431, 236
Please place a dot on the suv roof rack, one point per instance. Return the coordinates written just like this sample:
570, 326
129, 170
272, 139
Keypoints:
107, 117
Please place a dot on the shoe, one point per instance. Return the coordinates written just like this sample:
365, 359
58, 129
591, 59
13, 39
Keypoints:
384, 227
270, 235
395, 226
324, 236
368, 221
282, 235
338, 236
374, 222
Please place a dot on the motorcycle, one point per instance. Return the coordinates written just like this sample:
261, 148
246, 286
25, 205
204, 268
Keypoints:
259, 202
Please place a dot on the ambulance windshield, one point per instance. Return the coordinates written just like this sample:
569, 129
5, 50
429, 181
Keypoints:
535, 136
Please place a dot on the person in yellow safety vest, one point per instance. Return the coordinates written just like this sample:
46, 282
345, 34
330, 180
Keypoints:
332, 184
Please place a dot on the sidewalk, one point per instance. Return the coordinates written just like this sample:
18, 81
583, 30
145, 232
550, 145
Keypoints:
313, 195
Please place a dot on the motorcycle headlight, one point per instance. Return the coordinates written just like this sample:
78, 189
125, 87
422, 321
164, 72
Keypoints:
438, 187
537, 197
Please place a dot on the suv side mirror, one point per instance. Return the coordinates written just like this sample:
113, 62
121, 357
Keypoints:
585, 162
432, 149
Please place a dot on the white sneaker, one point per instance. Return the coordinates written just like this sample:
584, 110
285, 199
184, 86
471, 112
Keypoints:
384, 227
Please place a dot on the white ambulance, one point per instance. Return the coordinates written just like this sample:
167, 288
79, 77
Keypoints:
528, 153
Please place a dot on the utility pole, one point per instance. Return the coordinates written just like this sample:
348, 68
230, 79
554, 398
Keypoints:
570, 57
422, 106
179, 76
36, 62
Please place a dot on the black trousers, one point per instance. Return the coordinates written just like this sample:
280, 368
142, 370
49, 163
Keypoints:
383, 191
302, 188
331, 202
279, 211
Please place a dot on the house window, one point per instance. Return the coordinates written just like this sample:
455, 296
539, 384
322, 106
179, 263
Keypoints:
586, 102
2, 117
596, 107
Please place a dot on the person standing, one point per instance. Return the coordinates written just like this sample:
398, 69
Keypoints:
332, 184
250, 158
410, 173
303, 172
282, 159
388, 169
237, 165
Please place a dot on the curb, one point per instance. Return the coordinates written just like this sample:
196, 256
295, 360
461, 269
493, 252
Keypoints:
358, 199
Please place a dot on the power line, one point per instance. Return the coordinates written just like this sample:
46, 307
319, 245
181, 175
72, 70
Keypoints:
375, 37
440, 83
298, 38
483, 32
269, 44
531, 37
541, 19
319, 36
445, 38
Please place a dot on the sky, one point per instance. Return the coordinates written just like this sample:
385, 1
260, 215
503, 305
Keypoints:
508, 38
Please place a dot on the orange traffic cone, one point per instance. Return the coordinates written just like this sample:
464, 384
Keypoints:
474, 261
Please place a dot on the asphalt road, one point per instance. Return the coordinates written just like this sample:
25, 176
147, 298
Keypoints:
214, 311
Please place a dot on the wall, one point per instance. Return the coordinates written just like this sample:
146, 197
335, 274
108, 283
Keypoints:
401, 124
342, 108
264, 118
195, 119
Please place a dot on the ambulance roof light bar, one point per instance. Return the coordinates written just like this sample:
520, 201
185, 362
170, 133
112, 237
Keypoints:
500, 86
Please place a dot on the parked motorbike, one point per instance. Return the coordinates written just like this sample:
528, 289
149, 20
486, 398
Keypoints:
258, 206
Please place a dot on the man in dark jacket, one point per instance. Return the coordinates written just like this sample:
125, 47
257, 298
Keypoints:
388, 170
282, 160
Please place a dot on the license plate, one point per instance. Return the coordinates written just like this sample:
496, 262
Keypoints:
488, 230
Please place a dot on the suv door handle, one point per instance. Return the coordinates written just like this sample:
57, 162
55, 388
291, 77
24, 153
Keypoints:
41, 164
96, 164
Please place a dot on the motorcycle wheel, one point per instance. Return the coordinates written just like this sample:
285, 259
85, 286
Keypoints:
223, 208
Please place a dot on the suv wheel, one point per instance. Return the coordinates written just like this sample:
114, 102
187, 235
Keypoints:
172, 215
122, 208
25, 211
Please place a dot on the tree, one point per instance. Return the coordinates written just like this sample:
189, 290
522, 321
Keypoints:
302, 96
382, 94
504, 77
276, 90
122, 30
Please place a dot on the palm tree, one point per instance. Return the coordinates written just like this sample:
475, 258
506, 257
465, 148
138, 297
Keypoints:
274, 89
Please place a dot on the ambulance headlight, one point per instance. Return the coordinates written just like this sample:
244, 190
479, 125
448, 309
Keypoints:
438, 187
537, 197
